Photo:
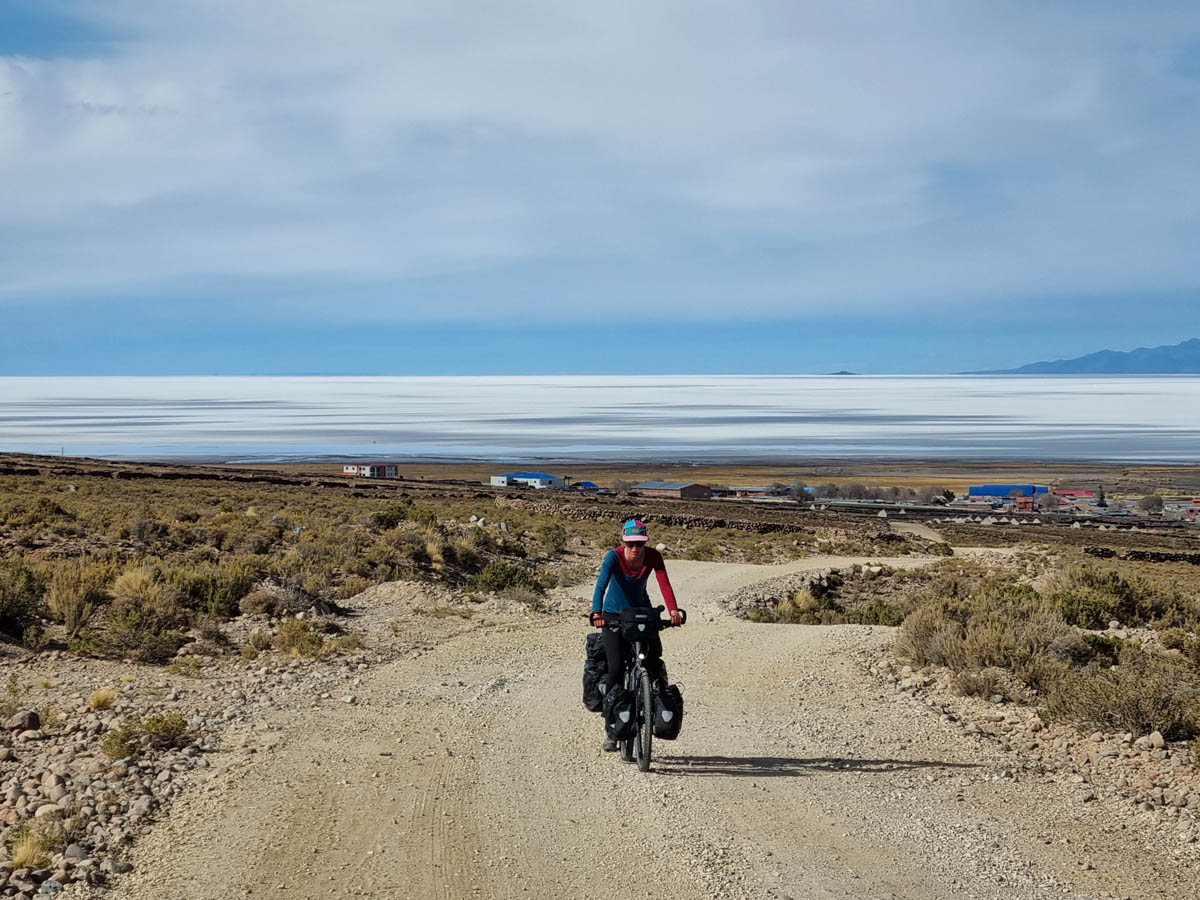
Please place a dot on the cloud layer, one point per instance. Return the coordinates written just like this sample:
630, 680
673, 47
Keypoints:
481, 161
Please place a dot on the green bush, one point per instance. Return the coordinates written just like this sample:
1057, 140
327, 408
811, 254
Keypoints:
1144, 693
160, 731
511, 548
122, 741
389, 518
999, 624
297, 636
217, 590
553, 537
167, 731
1091, 598
500, 575
21, 593
144, 621
35, 638
424, 516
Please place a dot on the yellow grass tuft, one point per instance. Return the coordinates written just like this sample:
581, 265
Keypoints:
30, 850
102, 699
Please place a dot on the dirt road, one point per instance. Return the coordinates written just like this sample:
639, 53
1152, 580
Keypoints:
474, 771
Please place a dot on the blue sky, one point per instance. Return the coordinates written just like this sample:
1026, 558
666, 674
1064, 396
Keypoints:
561, 186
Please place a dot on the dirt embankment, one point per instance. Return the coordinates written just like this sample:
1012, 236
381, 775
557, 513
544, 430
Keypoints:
469, 768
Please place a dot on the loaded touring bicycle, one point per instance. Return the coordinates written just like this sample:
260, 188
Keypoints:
637, 706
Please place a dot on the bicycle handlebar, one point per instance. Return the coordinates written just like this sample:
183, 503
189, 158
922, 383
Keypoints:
667, 624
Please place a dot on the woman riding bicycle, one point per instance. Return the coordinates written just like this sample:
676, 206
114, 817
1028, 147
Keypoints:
622, 583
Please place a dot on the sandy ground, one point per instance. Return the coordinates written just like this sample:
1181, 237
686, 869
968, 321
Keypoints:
474, 771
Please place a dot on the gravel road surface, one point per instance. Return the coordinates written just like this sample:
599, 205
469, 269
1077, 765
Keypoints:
473, 770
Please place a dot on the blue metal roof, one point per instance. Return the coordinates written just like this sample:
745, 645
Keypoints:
1005, 490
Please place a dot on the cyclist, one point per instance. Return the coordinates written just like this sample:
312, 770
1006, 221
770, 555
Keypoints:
622, 583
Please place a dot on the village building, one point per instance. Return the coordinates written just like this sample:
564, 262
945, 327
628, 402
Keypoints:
680, 490
536, 480
372, 470
1005, 491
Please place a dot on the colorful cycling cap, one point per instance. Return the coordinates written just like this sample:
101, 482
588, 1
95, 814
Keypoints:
634, 531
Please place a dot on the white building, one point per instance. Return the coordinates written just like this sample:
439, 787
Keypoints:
371, 470
537, 480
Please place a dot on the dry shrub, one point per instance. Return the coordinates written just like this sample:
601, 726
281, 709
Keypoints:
29, 848
999, 625
261, 602
161, 731
136, 586
351, 587
1145, 693
797, 606
144, 621
121, 742
166, 731
1091, 597
347, 643
76, 592
1174, 639
296, 636
260, 640
933, 635
982, 682
102, 699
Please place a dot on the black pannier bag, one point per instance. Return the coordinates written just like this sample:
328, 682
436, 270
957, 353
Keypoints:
639, 622
594, 648
595, 670
668, 713
618, 713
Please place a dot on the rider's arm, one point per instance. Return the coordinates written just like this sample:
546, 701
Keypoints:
602, 581
664, 583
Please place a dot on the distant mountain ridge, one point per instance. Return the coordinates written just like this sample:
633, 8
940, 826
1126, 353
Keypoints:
1173, 359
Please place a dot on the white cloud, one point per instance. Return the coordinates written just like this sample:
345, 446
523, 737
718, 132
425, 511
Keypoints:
777, 156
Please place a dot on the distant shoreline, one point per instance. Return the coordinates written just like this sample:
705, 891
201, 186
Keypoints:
955, 474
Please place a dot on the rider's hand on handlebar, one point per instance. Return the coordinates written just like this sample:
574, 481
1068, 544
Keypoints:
598, 620
676, 617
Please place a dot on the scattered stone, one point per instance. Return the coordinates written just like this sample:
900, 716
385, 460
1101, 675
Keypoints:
24, 721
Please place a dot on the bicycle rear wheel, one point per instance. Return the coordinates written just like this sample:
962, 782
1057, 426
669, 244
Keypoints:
644, 714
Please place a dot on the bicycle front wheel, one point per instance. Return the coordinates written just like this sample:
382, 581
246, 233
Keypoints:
644, 703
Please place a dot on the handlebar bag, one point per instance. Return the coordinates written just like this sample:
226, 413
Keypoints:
639, 622
619, 723
668, 713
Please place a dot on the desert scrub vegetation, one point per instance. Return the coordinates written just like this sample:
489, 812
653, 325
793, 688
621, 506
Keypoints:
812, 606
999, 636
871, 595
21, 596
102, 699
132, 568
1091, 597
29, 847
159, 731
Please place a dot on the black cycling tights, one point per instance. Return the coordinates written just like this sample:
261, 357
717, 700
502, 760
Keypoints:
616, 648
